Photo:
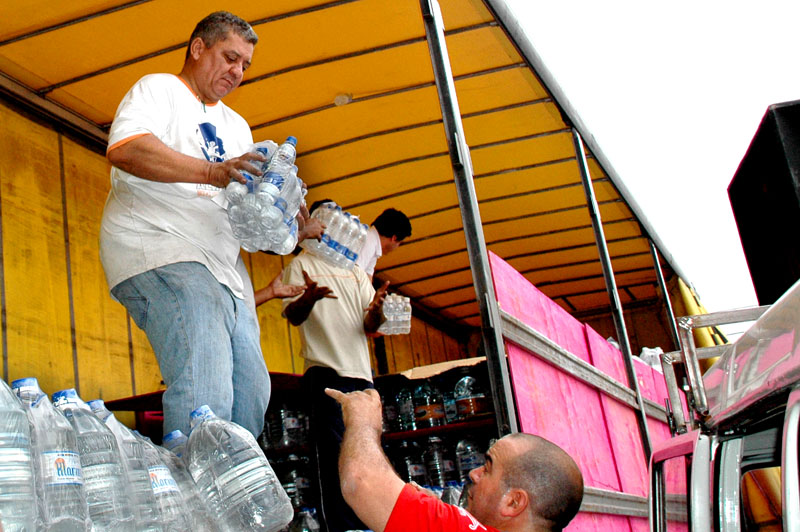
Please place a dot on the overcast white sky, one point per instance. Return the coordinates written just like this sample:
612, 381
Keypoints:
673, 93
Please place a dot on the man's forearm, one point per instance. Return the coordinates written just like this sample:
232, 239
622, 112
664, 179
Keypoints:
368, 481
373, 320
298, 310
147, 157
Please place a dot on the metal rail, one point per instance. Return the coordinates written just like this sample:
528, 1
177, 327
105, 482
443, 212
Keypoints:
494, 349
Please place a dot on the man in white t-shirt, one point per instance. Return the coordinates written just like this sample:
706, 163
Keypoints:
335, 313
385, 234
166, 244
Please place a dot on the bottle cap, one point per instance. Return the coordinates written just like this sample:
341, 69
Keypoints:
176, 437
97, 404
65, 397
24, 384
291, 140
202, 413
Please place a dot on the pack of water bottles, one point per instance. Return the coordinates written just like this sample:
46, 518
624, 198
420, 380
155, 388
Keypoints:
263, 212
343, 238
68, 465
397, 311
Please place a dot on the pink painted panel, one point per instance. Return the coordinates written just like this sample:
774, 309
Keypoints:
564, 411
591, 522
622, 426
517, 296
639, 524
532, 309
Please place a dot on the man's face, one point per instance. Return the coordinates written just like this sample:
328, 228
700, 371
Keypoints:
487, 488
221, 67
390, 244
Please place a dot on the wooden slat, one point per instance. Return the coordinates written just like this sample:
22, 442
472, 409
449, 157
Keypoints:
36, 296
101, 330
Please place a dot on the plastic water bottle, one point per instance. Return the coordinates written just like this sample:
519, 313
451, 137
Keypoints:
201, 521
172, 508
284, 156
305, 521
404, 401
468, 457
233, 476
470, 397
107, 495
176, 442
133, 452
17, 501
343, 238
397, 313
57, 466
435, 462
262, 212
409, 463
428, 406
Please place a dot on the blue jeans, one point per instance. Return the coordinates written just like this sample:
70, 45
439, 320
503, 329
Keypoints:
327, 432
206, 341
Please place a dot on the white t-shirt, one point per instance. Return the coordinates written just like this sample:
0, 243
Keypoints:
370, 252
333, 334
147, 224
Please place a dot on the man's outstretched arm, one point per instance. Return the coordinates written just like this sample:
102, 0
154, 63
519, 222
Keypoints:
369, 483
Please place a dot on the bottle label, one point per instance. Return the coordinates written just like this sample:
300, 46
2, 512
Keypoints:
429, 412
291, 423
61, 467
161, 480
470, 406
470, 462
302, 483
448, 465
416, 470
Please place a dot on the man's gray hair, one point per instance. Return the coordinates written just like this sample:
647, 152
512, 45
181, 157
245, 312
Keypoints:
216, 26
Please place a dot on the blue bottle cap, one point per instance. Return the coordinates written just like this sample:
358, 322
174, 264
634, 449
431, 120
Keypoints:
291, 140
176, 436
27, 382
68, 396
96, 404
201, 413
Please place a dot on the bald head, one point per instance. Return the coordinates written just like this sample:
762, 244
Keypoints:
549, 475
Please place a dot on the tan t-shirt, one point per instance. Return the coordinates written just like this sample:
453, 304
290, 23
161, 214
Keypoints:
333, 335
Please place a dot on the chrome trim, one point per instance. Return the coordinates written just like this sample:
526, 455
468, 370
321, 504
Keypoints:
729, 491
790, 477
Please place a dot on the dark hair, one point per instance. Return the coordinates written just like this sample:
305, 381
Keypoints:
392, 222
216, 26
317, 203
550, 476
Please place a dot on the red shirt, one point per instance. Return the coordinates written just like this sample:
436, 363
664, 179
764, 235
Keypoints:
415, 510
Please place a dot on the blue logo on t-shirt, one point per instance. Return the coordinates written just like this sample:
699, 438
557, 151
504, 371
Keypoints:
212, 145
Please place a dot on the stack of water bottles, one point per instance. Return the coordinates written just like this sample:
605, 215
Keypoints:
67, 465
263, 211
397, 311
343, 238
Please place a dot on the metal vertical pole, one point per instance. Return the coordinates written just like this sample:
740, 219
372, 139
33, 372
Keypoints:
494, 348
673, 326
611, 288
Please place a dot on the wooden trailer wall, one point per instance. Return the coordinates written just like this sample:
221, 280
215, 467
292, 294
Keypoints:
59, 323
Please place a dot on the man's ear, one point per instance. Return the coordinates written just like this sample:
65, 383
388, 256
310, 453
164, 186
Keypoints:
196, 47
514, 502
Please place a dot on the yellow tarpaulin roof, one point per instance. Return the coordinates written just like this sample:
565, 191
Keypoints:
384, 144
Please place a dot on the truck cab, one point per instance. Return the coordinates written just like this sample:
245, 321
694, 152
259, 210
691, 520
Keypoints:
733, 461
